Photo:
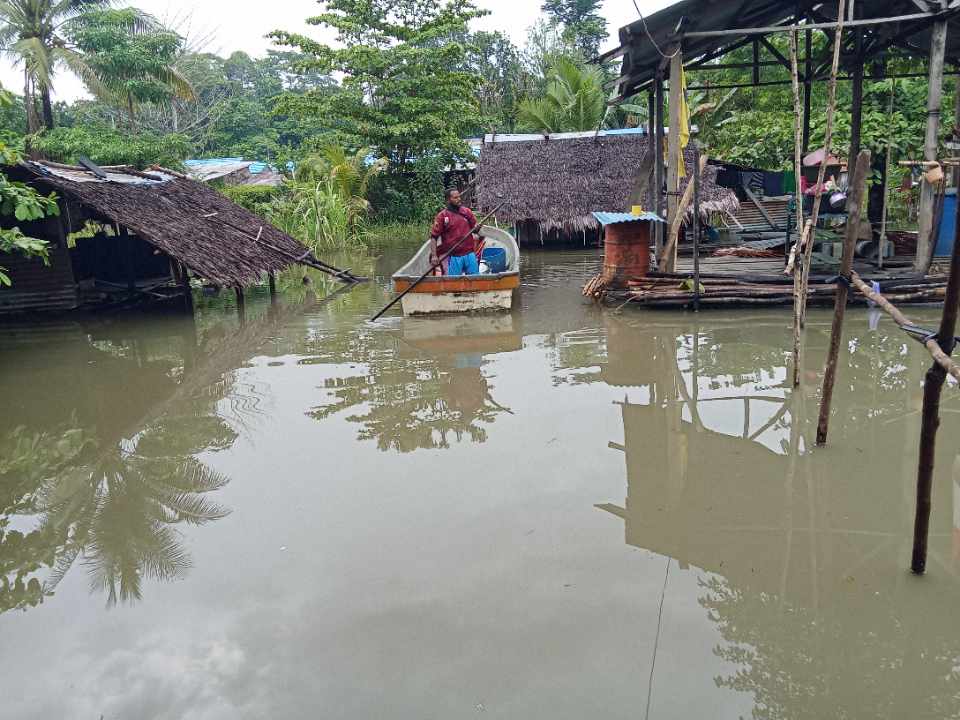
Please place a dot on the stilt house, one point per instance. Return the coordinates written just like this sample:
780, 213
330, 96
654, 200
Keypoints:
552, 183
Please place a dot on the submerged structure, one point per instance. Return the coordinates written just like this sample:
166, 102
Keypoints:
552, 184
121, 230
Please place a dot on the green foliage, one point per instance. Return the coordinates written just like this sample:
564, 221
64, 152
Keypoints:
582, 24
493, 58
24, 203
325, 205
574, 100
411, 196
403, 90
258, 199
755, 125
108, 146
131, 55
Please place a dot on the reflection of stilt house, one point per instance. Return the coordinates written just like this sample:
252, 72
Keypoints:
550, 184
136, 232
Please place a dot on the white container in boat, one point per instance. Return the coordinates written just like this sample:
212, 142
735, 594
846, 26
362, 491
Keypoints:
484, 268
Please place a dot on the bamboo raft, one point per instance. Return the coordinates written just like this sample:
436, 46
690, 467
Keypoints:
675, 290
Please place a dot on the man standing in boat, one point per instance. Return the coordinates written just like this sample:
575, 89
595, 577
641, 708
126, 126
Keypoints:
451, 224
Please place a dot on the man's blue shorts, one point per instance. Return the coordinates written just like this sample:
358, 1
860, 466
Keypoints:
463, 265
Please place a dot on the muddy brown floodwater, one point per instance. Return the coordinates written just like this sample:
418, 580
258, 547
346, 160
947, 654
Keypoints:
560, 513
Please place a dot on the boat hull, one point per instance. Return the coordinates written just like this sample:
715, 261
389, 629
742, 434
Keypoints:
490, 292
425, 303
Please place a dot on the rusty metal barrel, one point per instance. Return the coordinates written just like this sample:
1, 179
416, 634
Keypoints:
626, 252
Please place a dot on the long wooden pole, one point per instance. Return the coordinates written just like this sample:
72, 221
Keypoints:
925, 239
858, 189
932, 388
439, 261
805, 239
798, 139
668, 260
767, 30
658, 163
696, 241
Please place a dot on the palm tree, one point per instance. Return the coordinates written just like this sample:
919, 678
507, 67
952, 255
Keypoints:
32, 32
574, 99
37, 34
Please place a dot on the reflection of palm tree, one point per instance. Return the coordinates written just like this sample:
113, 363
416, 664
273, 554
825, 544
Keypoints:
117, 512
121, 520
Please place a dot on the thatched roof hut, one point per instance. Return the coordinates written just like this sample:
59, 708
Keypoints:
559, 180
190, 222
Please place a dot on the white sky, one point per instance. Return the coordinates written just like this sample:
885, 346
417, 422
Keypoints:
242, 25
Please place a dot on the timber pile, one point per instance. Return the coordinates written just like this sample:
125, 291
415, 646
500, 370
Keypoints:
668, 290
595, 288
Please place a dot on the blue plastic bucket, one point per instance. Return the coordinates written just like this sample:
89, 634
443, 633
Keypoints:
496, 259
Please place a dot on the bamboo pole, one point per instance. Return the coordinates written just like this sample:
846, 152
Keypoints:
805, 240
821, 175
855, 201
883, 302
932, 388
798, 194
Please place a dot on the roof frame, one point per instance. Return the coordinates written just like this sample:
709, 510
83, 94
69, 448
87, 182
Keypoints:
878, 35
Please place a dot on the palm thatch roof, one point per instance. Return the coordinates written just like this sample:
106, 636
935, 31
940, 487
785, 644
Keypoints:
215, 238
559, 180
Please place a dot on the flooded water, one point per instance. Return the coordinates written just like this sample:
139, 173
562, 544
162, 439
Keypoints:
561, 513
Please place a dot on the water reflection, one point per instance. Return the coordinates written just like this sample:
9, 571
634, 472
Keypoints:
427, 388
107, 488
800, 554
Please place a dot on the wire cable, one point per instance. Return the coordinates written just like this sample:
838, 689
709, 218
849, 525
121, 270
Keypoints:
654, 42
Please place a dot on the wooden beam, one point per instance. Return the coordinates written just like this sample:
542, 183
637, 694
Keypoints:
925, 241
659, 170
674, 153
866, 22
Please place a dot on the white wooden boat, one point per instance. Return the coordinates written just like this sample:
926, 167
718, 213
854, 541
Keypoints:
465, 293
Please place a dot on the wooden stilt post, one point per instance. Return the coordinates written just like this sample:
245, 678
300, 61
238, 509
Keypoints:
272, 281
183, 279
925, 239
128, 261
858, 188
241, 304
674, 153
658, 163
932, 388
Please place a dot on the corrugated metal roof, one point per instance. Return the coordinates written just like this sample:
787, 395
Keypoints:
526, 137
612, 218
114, 174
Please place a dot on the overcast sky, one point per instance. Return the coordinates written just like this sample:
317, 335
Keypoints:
241, 25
